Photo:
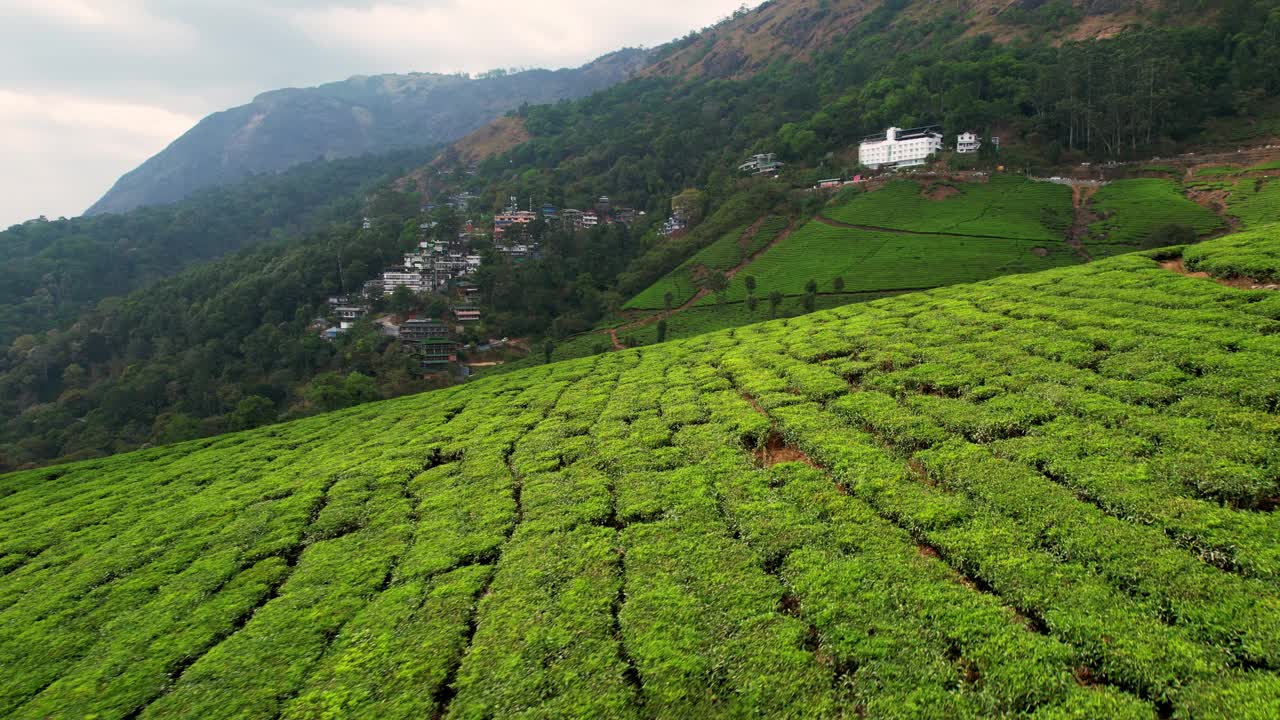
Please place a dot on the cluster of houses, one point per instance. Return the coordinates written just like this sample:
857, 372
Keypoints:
513, 220
441, 267
433, 342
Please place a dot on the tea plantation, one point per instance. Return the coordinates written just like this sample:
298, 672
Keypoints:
1049, 495
869, 260
724, 254
1255, 201
1002, 207
1132, 210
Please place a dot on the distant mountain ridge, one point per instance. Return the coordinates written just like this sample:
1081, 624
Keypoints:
364, 114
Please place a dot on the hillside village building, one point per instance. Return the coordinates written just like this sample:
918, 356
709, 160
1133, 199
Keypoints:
899, 148
761, 164
504, 220
968, 143
394, 277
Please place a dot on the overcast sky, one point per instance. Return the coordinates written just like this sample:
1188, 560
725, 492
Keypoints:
91, 88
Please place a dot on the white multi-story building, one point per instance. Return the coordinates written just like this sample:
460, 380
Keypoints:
761, 164
899, 148
968, 143
411, 278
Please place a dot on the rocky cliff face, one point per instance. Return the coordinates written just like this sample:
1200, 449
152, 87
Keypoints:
283, 128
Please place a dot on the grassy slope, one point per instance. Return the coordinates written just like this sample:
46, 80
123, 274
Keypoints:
1004, 207
723, 254
879, 261
1255, 201
1032, 215
1029, 495
1133, 209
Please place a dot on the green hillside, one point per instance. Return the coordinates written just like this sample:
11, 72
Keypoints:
907, 235
878, 260
1131, 210
1048, 495
725, 254
1255, 201
1003, 207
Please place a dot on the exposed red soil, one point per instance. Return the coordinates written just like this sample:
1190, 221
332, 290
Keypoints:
1240, 283
744, 242
1215, 201
1081, 196
1085, 677
939, 192
776, 450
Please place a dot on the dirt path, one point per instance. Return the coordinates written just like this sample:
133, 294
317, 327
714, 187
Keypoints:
1081, 196
744, 242
1240, 283
729, 274
873, 228
1215, 201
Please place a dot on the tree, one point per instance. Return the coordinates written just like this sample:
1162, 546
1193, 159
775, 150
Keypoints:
775, 299
662, 330
811, 287
752, 302
361, 389
810, 302
402, 300
253, 411
689, 206
750, 282
1172, 234
838, 283
548, 348
667, 300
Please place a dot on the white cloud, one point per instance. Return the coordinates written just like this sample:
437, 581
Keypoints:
107, 21
62, 152
472, 36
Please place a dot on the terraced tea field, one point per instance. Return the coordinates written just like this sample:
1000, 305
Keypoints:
1003, 207
1049, 495
729, 251
879, 261
1133, 209
1255, 202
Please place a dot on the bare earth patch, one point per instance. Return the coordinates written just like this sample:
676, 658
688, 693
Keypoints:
776, 450
1240, 283
1040, 252
939, 192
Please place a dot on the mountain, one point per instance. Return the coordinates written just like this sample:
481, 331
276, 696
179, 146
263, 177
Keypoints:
52, 271
801, 30
1048, 495
283, 128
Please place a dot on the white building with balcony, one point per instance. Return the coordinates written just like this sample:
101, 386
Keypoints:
968, 143
899, 148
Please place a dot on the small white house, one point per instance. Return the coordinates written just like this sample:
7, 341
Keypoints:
968, 143
899, 148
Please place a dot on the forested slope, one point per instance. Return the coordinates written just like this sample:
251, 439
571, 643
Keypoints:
53, 270
1047, 495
